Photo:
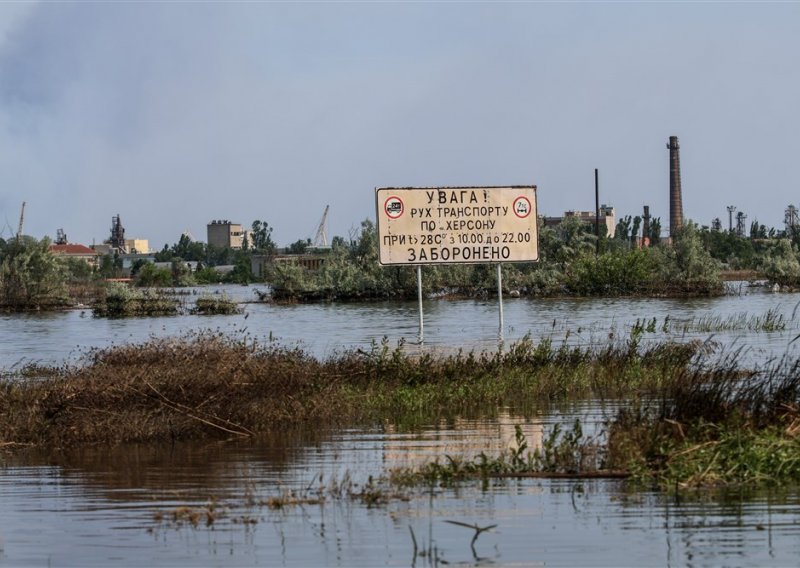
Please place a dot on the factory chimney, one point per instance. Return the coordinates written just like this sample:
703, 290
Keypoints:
675, 200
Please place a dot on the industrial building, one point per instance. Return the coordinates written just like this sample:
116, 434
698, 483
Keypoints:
76, 251
137, 246
224, 234
607, 218
118, 243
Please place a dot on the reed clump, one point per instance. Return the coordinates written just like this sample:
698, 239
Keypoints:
710, 429
771, 321
714, 427
707, 426
208, 304
123, 301
209, 385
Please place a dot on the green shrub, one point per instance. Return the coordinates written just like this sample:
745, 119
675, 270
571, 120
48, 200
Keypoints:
208, 304
31, 277
123, 301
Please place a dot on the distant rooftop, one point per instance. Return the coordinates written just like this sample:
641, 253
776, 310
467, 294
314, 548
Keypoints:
71, 249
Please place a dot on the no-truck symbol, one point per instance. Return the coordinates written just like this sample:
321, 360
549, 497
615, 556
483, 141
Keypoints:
522, 207
394, 207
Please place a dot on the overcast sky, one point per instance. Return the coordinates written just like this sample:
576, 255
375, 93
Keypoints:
174, 114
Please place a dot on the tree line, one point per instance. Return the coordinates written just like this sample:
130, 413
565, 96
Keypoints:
573, 262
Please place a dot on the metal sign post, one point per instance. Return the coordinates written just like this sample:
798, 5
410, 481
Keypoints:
500, 297
419, 297
457, 225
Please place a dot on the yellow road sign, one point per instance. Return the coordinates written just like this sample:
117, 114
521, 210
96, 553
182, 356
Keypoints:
446, 225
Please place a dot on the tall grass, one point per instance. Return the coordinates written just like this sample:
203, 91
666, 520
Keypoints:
209, 385
719, 426
772, 320
713, 426
688, 421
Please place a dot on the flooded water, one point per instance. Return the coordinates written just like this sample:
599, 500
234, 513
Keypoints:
323, 329
134, 507
154, 506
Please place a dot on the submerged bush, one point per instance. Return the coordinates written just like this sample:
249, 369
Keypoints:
780, 264
123, 301
568, 266
215, 305
619, 273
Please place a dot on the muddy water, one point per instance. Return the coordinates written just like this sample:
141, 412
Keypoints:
128, 507
137, 506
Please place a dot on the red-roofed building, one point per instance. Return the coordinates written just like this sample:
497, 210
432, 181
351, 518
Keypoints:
80, 252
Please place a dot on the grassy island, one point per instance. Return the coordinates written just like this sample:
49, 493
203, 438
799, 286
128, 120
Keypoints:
684, 423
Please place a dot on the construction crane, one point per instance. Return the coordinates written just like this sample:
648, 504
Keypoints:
321, 238
21, 222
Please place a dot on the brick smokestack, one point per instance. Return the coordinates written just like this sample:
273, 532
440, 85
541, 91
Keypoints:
675, 199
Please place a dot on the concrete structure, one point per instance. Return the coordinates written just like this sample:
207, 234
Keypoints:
224, 234
80, 252
675, 196
137, 246
607, 218
102, 249
259, 263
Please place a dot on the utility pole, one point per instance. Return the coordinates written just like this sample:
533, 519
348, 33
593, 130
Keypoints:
596, 212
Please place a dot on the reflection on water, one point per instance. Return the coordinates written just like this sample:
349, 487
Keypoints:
491, 437
99, 507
